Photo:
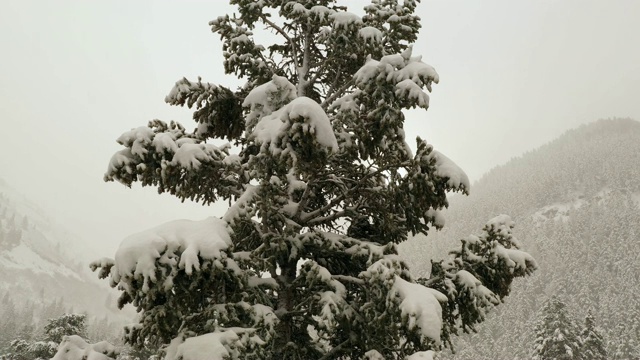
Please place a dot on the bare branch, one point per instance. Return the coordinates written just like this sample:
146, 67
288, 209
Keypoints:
294, 49
350, 279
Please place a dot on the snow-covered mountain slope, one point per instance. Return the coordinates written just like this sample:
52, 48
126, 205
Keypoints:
576, 205
35, 264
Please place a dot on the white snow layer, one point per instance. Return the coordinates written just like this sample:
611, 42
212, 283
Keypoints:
445, 167
75, 348
370, 33
398, 67
501, 224
420, 307
344, 19
373, 355
187, 153
275, 107
409, 89
422, 355
321, 11
268, 97
514, 258
272, 127
238, 209
204, 347
191, 240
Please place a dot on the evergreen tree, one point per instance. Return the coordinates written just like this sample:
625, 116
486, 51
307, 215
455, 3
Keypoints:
593, 344
9, 323
627, 349
56, 330
557, 337
67, 324
304, 264
479, 275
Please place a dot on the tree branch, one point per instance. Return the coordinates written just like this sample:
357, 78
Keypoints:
335, 95
294, 50
350, 279
335, 351
304, 70
347, 192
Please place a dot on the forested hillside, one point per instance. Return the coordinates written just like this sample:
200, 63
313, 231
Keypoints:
40, 278
576, 204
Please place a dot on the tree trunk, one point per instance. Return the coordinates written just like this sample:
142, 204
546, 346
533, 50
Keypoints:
284, 329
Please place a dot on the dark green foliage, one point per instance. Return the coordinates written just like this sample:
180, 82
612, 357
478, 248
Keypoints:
218, 110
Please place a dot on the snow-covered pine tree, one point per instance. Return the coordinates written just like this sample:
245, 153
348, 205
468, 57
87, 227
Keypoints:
593, 344
625, 347
479, 275
56, 330
557, 337
67, 324
322, 185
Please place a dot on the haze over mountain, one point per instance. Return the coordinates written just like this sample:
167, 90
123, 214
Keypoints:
41, 262
576, 204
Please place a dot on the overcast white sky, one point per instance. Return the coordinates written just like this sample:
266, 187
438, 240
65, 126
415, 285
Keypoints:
74, 75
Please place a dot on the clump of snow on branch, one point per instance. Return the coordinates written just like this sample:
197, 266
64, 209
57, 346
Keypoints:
212, 346
507, 249
181, 243
184, 152
322, 12
409, 74
370, 34
446, 168
473, 288
275, 113
344, 19
330, 301
239, 208
420, 307
183, 88
137, 138
74, 347
191, 155
268, 97
409, 89
422, 355
271, 129
437, 216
